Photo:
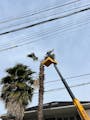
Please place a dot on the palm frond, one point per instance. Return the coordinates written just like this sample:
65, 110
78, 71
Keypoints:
33, 56
7, 79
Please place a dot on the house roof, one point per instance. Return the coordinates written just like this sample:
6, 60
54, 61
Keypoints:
58, 107
55, 104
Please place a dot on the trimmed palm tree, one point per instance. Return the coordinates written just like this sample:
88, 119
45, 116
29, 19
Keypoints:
41, 92
17, 90
41, 81
41, 86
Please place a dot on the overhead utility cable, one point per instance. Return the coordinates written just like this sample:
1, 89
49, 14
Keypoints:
31, 13
34, 41
68, 78
49, 30
62, 88
24, 24
45, 21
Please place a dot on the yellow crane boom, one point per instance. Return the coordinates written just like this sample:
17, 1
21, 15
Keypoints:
78, 105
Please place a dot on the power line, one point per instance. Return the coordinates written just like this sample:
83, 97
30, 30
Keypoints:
42, 34
31, 13
45, 21
62, 88
26, 43
71, 77
61, 27
34, 41
49, 16
11, 46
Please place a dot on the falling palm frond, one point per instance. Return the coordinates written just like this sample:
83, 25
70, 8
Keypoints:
33, 56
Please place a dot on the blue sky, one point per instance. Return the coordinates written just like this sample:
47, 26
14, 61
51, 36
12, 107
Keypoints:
69, 36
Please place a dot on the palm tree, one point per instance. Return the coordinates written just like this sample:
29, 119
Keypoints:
41, 92
17, 90
41, 81
41, 86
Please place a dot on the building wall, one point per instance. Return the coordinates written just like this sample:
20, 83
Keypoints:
56, 116
63, 117
88, 112
71, 116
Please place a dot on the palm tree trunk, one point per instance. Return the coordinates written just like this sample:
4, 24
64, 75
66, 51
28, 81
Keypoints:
41, 91
15, 109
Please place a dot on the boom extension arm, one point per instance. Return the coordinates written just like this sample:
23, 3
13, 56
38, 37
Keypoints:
81, 109
76, 102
